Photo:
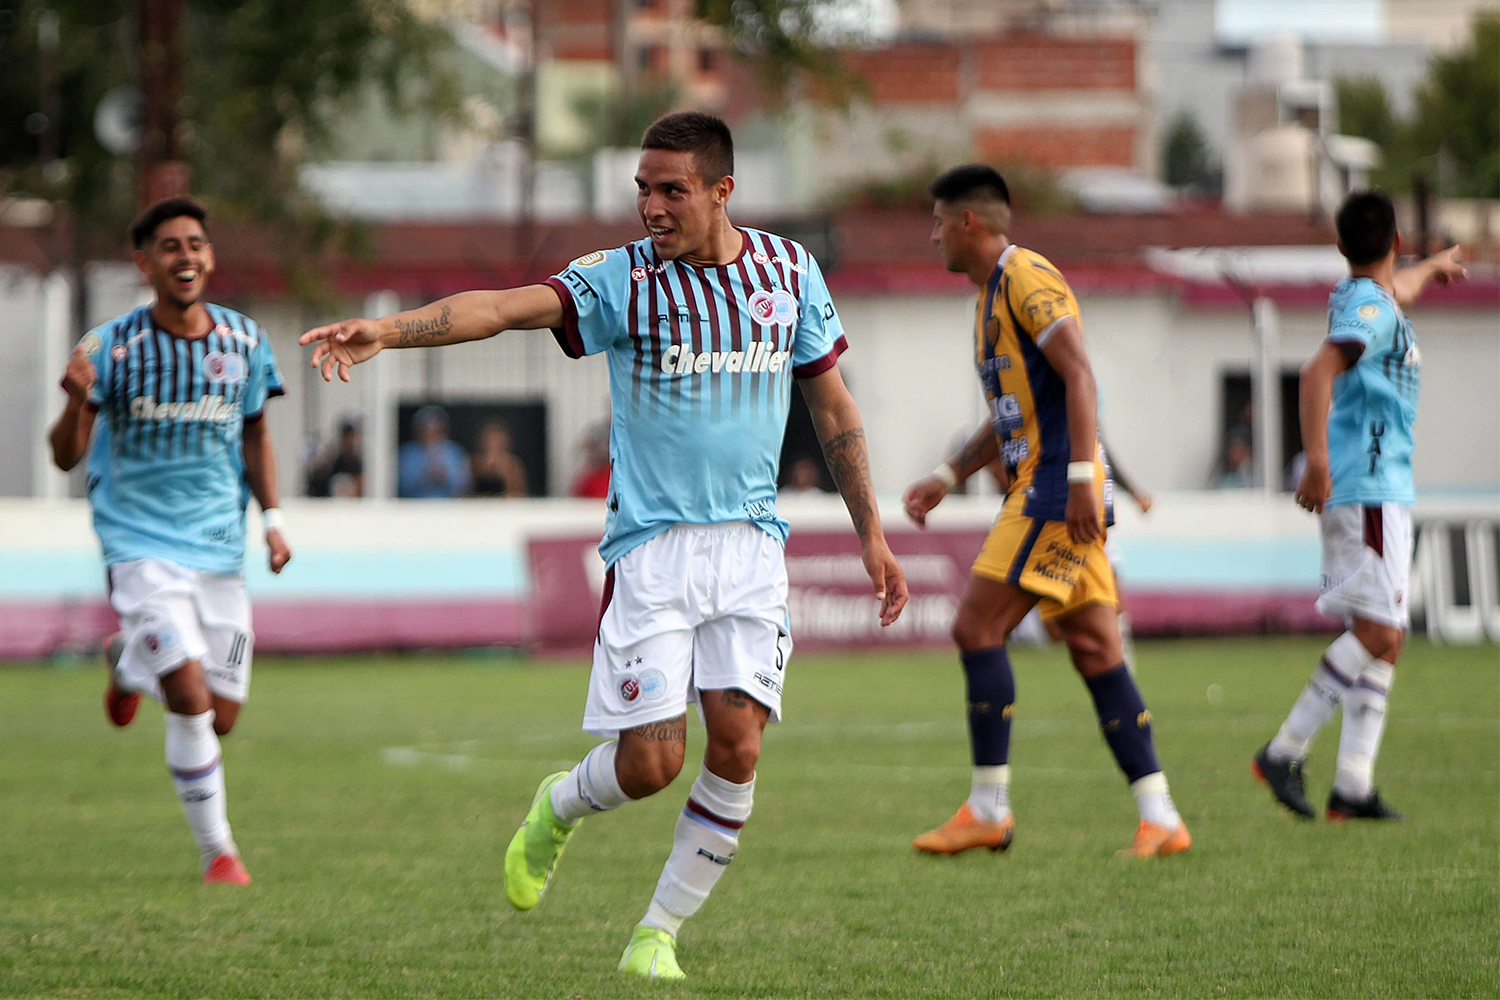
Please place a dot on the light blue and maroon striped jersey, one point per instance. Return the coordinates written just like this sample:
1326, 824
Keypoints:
701, 362
166, 474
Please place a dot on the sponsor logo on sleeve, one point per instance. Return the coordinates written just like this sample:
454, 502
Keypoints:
1369, 311
590, 259
90, 342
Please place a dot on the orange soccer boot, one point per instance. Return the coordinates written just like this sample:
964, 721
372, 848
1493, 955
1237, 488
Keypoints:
1152, 841
226, 869
966, 831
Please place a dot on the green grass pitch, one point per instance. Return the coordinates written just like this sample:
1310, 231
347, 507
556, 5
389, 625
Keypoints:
373, 799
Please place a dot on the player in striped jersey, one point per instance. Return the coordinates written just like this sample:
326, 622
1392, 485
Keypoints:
1358, 402
181, 386
1047, 547
704, 325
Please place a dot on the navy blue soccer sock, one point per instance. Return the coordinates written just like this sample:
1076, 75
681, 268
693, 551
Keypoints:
1124, 721
992, 697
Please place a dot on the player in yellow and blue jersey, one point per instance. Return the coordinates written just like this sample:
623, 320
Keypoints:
173, 395
1358, 403
1047, 547
704, 326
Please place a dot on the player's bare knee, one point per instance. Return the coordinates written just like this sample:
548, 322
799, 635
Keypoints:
184, 691
1381, 641
733, 758
972, 631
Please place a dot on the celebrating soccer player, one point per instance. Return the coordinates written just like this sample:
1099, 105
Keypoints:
182, 386
705, 325
1047, 548
1358, 400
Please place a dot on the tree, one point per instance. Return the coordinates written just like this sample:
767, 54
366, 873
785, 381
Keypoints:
1365, 110
1456, 114
265, 79
1454, 135
790, 41
1185, 154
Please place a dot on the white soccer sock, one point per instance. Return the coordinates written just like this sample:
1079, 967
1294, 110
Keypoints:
1153, 800
989, 795
1364, 724
198, 773
703, 844
590, 787
1343, 661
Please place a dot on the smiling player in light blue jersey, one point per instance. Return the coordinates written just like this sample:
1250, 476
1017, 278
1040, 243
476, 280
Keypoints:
173, 394
705, 325
1358, 402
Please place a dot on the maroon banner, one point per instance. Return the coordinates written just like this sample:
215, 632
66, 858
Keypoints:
832, 604
831, 599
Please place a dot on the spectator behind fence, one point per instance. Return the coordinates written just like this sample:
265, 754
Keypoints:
1238, 468
432, 464
339, 467
803, 476
593, 474
497, 470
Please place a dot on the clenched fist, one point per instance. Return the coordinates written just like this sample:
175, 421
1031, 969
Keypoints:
80, 377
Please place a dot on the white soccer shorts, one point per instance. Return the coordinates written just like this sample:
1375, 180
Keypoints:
1367, 553
697, 608
170, 614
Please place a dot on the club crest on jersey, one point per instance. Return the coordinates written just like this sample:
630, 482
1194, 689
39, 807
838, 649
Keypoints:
630, 688
638, 274
221, 367
776, 308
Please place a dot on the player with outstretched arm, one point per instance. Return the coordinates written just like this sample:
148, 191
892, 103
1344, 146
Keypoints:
705, 325
1358, 402
173, 396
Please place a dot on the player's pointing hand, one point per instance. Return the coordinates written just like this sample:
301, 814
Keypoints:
340, 346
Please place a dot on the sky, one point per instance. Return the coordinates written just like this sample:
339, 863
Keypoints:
1314, 20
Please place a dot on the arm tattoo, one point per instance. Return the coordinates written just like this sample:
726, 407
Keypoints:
978, 451
419, 332
850, 466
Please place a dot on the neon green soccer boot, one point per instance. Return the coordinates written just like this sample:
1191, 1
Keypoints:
536, 848
651, 953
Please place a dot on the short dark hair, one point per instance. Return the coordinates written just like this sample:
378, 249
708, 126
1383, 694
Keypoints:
1367, 226
697, 132
969, 179
146, 224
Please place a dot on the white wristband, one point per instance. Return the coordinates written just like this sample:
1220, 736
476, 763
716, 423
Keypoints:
272, 519
1080, 472
945, 472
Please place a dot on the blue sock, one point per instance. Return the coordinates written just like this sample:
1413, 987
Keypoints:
992, 698
1125, 722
